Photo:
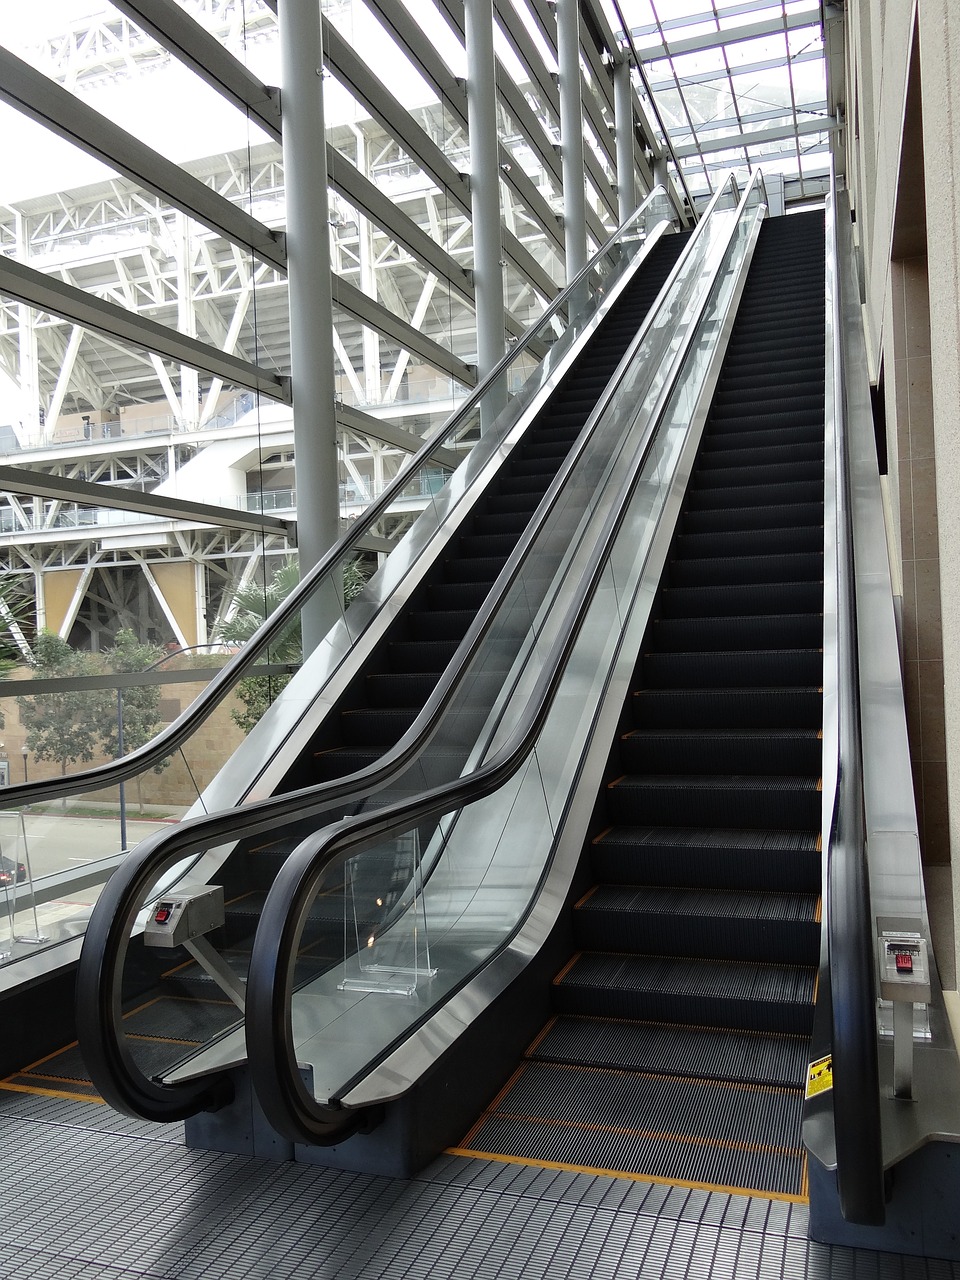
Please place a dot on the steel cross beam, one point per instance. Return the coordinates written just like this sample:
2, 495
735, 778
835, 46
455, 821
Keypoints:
203, 53
43, 100
47, 293
38, 484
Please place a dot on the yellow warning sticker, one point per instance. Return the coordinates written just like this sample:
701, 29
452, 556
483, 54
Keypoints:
819, 1076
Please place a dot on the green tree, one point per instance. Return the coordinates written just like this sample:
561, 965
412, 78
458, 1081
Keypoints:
254, 603
65, 725
139, 704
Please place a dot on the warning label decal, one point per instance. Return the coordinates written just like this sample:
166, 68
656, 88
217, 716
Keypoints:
819, 1076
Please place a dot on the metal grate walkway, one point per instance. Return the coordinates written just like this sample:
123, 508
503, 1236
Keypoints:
90, 1195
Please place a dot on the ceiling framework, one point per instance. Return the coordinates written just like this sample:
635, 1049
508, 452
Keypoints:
739, 84
144, 316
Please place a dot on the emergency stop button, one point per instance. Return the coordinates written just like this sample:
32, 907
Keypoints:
163, 913
904, 962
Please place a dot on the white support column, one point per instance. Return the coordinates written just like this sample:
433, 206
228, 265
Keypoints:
187, 324
372, 373
626, 161
28, 356
311, 307
485, 193
571, 136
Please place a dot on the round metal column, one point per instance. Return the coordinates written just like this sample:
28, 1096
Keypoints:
626, 161
485, 190
311, 308
571, 136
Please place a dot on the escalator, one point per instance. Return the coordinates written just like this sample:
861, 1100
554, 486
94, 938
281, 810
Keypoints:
171, 1003
679, 1042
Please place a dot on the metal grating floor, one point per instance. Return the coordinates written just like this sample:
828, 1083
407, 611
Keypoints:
90, 1195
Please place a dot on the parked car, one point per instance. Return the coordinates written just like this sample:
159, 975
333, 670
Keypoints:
11, 872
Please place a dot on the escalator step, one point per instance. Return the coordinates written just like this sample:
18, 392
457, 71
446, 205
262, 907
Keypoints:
400, 689
749, 542
501, 524
488, 545
704, 1053
758, 802
732, 669
780, 515
662, 1127
765, 454
728, 709
759, 495
338, 763
473, 569
374, 726
715, 993
775, 928
441, 624
708, 858
772, 473
720, 571
421, 655
743, 599
768, 752
759, 631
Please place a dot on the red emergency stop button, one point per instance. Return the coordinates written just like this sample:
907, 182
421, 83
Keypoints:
163, 915
904, 962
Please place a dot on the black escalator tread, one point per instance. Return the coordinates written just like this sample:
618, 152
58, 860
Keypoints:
743, 570
716, 497
422, 654
745, 542
743, 801
707, 924
400, 689
664, 1127
440, 624
757, 473
726, 709
376, 726
482, 569
736, 668
714, 857
705, 1053
767, 453
182, 1017
728, 519
748, 995
755, 631
741, 599
676, 751
339, 761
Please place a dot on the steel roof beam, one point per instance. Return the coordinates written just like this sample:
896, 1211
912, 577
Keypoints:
47, 293
759, 136
63, 113
194, 46
60, 489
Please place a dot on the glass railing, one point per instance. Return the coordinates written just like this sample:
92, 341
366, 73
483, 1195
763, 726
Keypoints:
372, 926
482, 687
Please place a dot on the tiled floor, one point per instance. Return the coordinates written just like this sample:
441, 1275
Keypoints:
88, 1194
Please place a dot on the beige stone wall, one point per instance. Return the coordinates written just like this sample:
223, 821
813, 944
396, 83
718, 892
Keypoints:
903, 144
176, 786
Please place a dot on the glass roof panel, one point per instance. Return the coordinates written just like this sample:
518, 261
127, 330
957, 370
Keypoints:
737, 82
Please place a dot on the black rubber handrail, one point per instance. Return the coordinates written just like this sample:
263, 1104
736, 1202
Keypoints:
271, 1053
176, 733
111, 1066
848, 912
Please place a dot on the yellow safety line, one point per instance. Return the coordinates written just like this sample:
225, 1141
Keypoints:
632, 1177
53, 1093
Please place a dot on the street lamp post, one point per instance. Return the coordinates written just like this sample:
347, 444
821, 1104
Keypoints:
26, 776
